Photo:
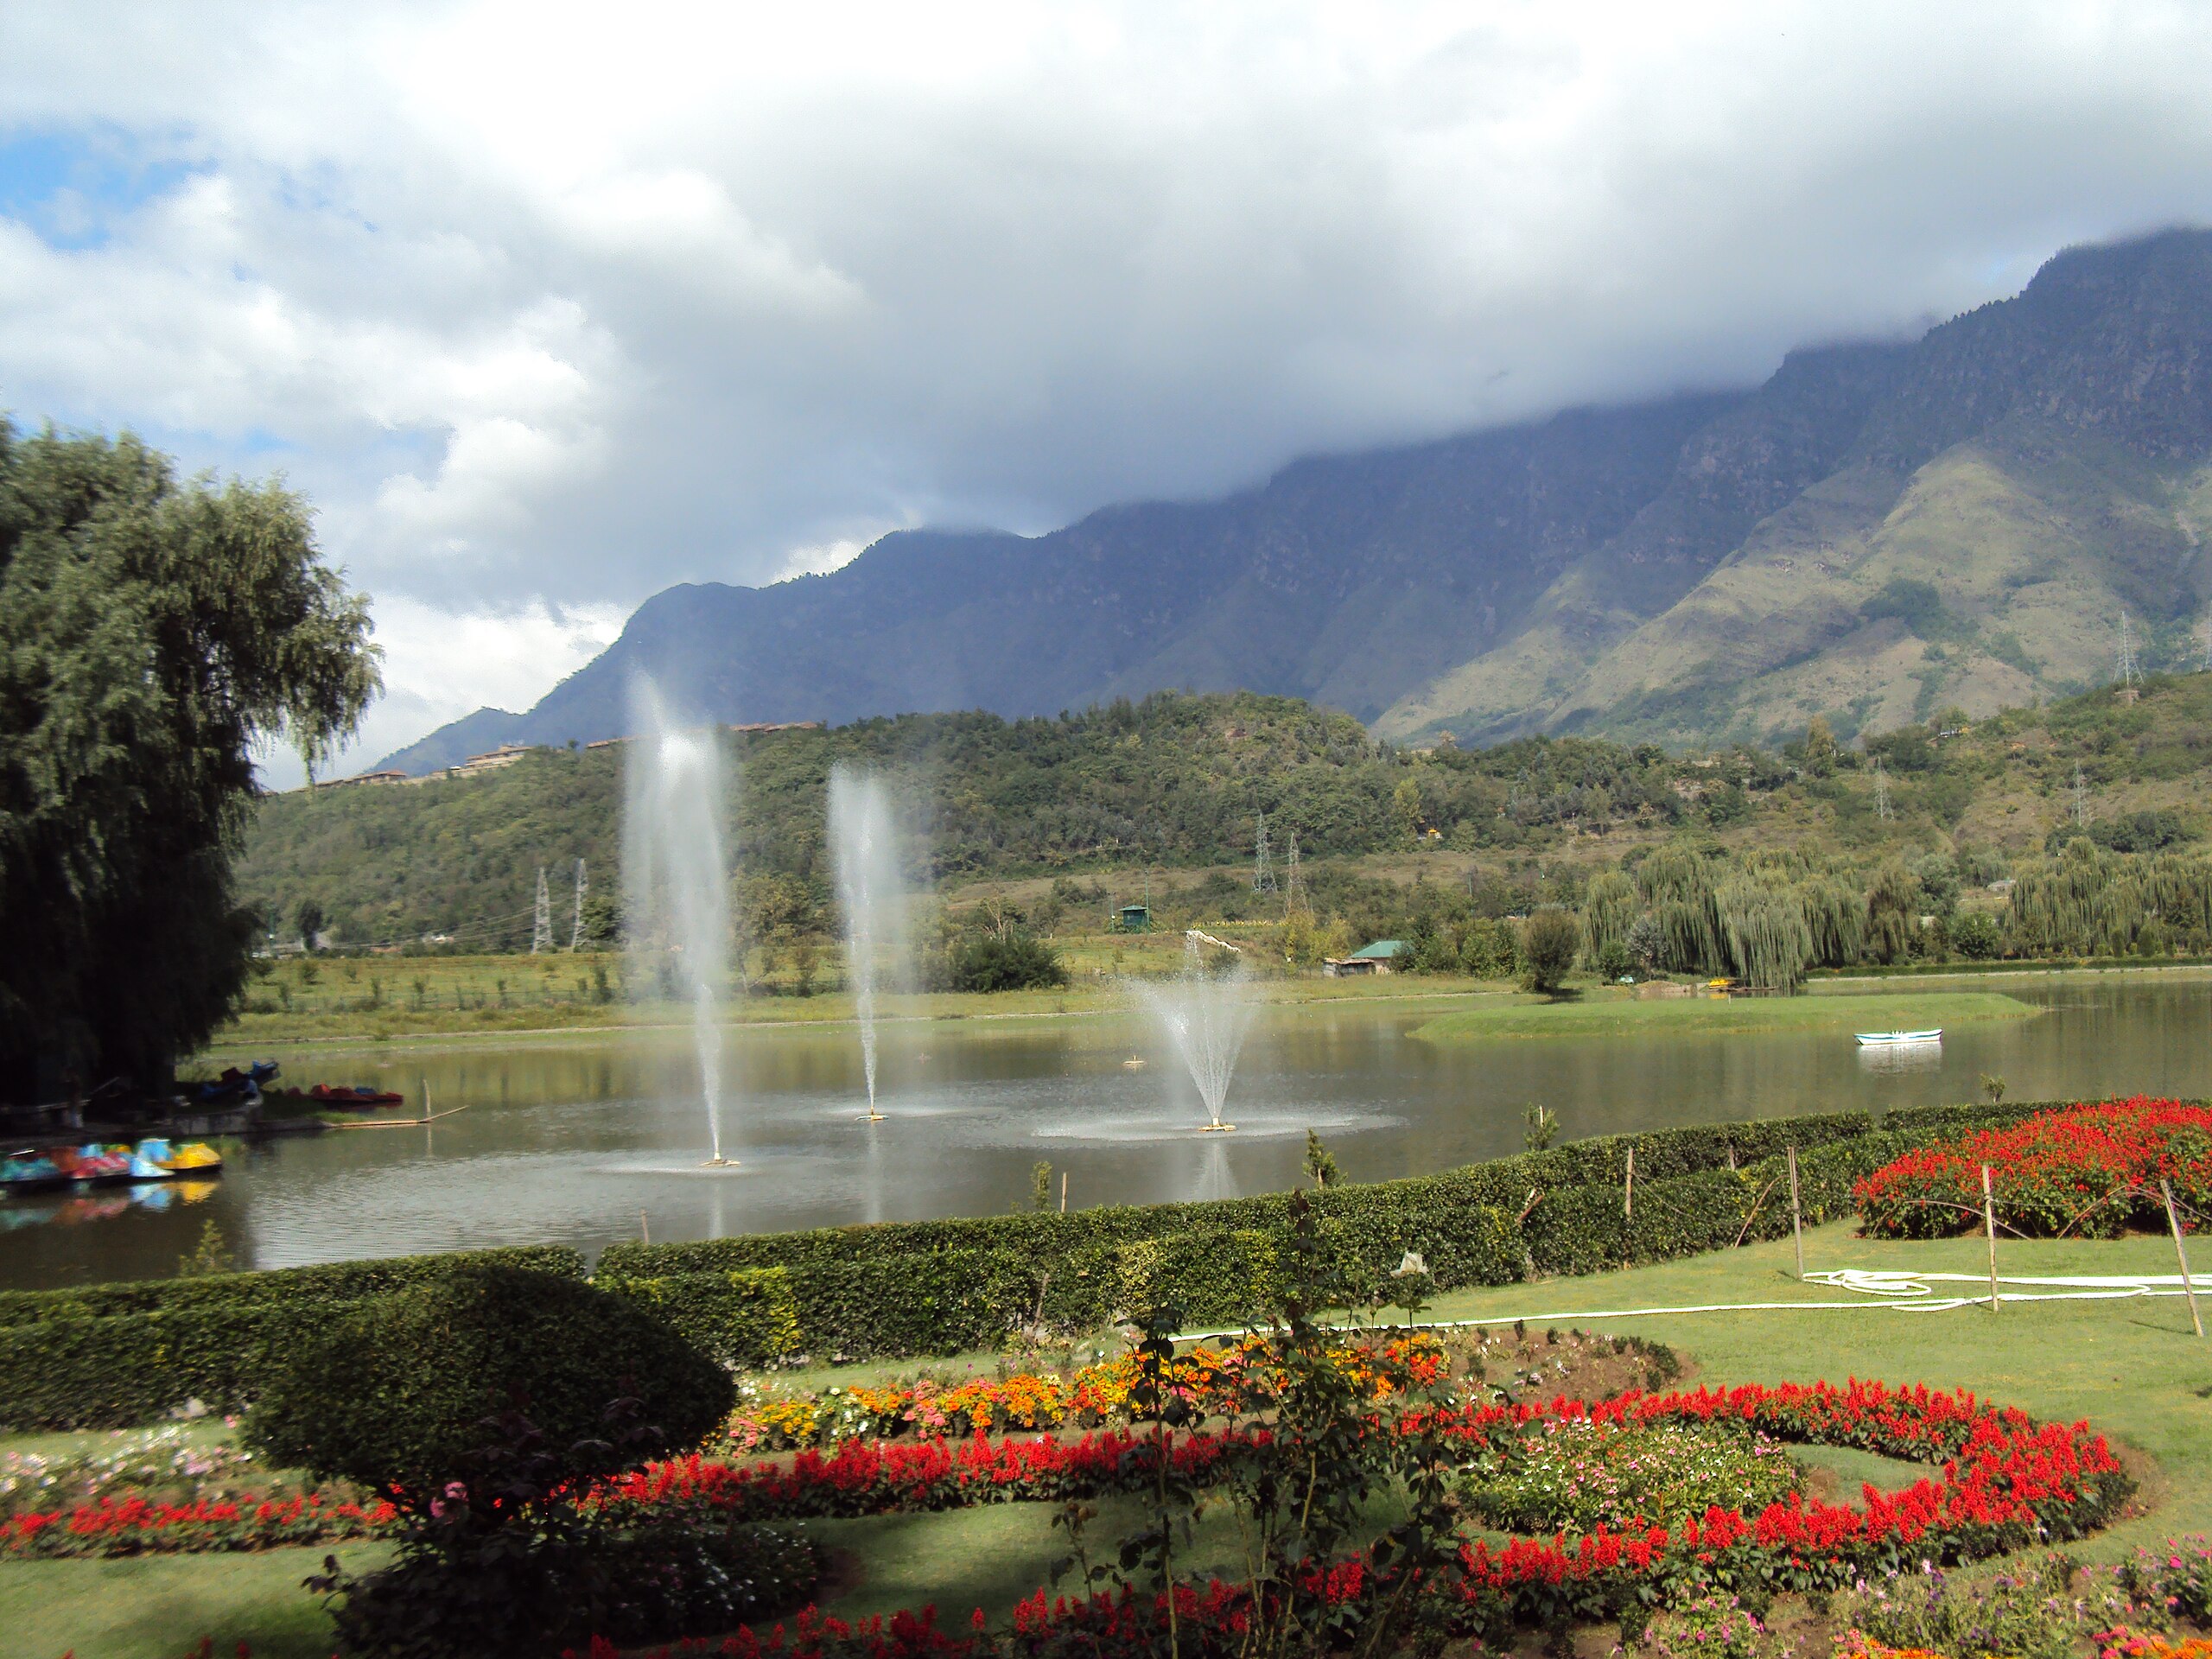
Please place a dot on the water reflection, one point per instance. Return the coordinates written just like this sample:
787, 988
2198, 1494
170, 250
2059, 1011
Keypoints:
567, 1140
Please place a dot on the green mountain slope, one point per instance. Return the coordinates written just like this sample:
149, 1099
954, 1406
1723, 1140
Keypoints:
2025, 475
1176, 783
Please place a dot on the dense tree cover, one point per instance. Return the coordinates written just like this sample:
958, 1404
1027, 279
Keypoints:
151, 632
1674, 863
1174, 780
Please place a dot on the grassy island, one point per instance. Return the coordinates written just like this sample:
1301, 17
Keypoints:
1606, 1014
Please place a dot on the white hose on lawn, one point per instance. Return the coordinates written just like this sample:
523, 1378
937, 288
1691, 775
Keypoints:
1900, 1289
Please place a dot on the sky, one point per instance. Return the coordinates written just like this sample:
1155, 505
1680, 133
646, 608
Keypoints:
547, 307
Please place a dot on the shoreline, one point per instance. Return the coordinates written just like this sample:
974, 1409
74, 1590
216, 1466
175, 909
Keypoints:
1091, 1002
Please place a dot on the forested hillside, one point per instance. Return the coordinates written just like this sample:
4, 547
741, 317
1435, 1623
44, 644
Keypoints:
1177, 783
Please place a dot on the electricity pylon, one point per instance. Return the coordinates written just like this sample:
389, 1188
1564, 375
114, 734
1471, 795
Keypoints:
541, 924
1263, 872
1882, 792
2081, 799
2126, 652
1293, 891
576, 928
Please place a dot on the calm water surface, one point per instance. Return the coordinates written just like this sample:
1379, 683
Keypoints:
586, 1140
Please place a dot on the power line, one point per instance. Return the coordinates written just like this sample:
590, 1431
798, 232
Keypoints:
1263, 873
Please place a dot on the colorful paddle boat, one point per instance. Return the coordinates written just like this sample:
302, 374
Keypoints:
23, 1173
156, 1160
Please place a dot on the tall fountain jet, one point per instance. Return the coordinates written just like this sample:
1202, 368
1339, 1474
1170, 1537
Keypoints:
872, 893
674, 881
1205, 1019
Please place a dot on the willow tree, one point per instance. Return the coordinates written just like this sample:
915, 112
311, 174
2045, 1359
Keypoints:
1836, 920
1769, 944
151, 632
1609, 910
2089, 901
1678, 882
1892, 913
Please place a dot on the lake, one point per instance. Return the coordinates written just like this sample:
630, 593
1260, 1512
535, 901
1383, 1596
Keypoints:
590, 1139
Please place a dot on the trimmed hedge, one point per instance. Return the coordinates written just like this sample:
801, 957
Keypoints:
908, 1288
111, 1355
330, 1281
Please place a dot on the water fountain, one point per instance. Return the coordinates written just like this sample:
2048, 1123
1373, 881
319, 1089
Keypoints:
1205, 1018
675, 885
870, 891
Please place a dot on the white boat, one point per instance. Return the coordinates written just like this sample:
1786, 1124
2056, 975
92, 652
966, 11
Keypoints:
1897, 1038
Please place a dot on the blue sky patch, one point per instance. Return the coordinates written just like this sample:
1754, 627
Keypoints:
70, 187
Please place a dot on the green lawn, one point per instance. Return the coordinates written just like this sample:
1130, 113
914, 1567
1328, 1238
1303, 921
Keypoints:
2131, 1368
160, 1606
508, 996
1610, 1013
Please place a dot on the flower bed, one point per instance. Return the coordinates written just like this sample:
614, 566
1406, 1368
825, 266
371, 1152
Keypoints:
1572, 1474
1997, 1482
139, 1526
1207, 1381
2089, 1170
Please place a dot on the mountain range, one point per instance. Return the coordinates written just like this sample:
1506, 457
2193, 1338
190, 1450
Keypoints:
1881, 532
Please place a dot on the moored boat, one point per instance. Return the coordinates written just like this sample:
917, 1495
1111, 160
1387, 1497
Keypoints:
26, 1172
99, 1166
156, 1160
1897, 1038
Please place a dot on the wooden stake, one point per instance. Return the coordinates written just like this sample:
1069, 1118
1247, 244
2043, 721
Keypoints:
1064, 1191
1628, 1189
645, 1233
1796, 1215
1989, 1228
2166, 1190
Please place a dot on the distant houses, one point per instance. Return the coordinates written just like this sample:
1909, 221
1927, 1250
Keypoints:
1375, 958
507, 754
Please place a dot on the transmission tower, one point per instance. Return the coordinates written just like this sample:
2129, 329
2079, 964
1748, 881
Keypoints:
1882, 792
576, 929
2081, 799
1263, 872
541, 924
1293, 891
2126, 652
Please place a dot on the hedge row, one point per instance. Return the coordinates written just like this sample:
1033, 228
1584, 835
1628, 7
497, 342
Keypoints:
1084, 1270
111, 1355
330, 1281
108, 1355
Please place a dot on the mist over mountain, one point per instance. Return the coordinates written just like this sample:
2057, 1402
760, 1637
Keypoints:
1880, 531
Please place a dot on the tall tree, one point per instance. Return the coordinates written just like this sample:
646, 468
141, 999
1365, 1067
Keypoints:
152, 632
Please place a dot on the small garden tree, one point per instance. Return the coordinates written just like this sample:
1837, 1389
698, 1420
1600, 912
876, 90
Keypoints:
1549, 940
485, 1407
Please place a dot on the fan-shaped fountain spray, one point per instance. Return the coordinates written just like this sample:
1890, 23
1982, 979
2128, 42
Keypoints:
1205, 1018
675, 883
871, 891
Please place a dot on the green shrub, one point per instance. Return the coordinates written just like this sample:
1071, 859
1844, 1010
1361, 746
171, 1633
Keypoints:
1017, 963
395, 1395
1549, 940
332, 1281
109, 1355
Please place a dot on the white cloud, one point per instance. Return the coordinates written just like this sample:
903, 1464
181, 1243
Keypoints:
441, 665
555, 304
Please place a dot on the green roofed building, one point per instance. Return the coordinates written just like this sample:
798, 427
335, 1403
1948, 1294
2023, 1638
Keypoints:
1375, 958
